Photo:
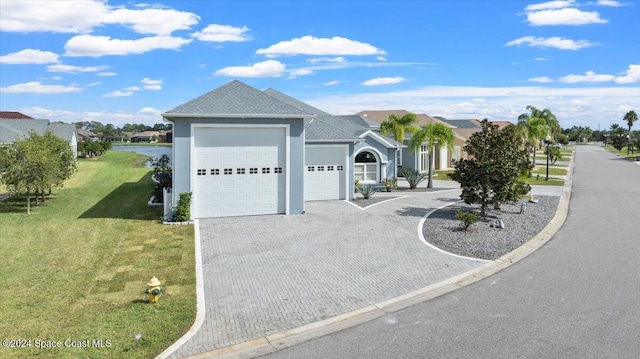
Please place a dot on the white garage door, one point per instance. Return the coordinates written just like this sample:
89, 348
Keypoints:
325, 173
239, 171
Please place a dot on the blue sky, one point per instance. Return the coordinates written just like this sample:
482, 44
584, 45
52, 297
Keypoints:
126, 62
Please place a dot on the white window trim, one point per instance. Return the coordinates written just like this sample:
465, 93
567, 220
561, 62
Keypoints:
378, 157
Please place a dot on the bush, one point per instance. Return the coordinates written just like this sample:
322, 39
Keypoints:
162, 173
414, 177
467, 218
366, 190
184, 203
390, 183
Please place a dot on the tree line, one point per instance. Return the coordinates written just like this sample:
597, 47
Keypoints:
34, 165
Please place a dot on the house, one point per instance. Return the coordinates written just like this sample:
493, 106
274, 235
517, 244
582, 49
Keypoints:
16, 129
84, 135
419, 160
242, 151
14, 115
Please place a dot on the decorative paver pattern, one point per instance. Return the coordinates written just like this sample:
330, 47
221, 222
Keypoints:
267, 274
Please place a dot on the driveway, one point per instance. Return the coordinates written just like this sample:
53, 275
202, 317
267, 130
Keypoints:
266, 274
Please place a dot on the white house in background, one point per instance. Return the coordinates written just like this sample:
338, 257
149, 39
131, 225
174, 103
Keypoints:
242, 151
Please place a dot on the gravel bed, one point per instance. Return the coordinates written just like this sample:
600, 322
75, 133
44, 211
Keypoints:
482, 240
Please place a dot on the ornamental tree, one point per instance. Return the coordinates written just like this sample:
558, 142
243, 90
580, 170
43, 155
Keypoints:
493, 172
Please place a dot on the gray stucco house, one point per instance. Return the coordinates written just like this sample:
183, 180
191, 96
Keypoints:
242, 151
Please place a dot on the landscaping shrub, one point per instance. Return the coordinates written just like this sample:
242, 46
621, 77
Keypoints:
467, 218
414, 177
366, 190
184, 203
390, 183
162, 173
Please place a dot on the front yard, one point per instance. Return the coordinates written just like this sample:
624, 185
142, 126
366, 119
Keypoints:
75, 270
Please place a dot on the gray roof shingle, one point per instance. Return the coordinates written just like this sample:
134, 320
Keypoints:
12, 130
237, 99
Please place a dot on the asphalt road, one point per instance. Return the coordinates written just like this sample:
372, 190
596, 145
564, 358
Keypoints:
576, 297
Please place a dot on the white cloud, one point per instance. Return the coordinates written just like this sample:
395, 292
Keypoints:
555, 42
29, 56
559, 4
107, 73
150, 111
56, 78
383, 81
152, 21
84, 16
502, 103
331, 83
300, 72
269, 68
589, 76
541, 59
566, 16
132, 88
612, 3
38, 88
94, 84
149, 84
326, 59
75, 69
543, 79
96, 46
381, 58
118, 93
309, 45
222, 33
632, 75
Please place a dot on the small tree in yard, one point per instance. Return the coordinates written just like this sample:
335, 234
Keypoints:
492, 173
467, 218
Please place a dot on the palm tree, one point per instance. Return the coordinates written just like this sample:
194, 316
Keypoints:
435, 135
630, 117
537, 124
399, 125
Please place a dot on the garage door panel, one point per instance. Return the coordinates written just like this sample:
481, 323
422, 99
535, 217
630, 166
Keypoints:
324, 176
246, 161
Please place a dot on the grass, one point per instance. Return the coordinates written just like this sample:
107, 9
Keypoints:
623, 153
442, 175
554, 171
77, 267
541, 182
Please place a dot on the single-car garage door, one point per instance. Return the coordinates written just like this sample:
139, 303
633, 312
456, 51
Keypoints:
325, 172
239, 171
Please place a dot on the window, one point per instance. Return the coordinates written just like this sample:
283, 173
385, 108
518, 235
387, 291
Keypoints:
277, 170
265, 170
215, 172
228, 171
239, 171
424, 158
320, 168
202, 172
310, 169
366, 167
329, 168
253, 171
340, 168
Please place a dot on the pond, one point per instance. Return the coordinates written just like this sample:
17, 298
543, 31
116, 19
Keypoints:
147, 150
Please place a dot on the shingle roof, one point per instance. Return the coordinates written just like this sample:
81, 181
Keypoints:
14, 129
461, 123
380, 116
14, 115
237, 99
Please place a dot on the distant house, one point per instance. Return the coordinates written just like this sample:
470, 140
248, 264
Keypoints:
12, 130
14, 115
145, 136
84, 135
419, 160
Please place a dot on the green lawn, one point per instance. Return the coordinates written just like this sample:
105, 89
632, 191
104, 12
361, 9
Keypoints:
77, 267
623, 152
553, 171
541, 182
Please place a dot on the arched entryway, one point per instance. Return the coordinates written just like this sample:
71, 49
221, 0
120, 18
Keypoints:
367, 167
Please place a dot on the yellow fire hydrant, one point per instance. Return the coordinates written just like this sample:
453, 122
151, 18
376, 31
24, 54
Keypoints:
153, 290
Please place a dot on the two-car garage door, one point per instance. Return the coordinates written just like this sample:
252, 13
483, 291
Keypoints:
239, 171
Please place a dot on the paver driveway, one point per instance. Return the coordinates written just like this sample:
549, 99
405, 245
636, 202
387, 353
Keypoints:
266, 274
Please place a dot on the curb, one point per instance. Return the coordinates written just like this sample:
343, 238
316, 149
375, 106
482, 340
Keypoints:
274, 342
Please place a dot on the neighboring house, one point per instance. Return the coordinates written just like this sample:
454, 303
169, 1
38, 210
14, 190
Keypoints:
419, 160
13, 115
145, 136
242, 151
84, 135
12, 130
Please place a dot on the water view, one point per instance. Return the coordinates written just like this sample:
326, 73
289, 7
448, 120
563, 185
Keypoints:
147, 150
